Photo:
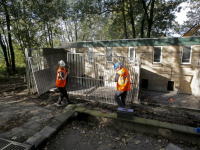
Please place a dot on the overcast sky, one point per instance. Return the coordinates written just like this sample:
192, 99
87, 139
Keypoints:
182, 15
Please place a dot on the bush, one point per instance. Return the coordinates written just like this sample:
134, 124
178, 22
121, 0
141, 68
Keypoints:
20, 71
3, 75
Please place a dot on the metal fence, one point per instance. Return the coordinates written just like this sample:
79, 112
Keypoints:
43, 74
91, 76
39, 71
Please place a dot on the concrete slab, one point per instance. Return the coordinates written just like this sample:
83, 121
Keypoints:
180, 128
64, 117
36, 140
171, 146
152, 122
193, 132
165, 125
47, 131
56, 124
80, 109
139, 120
70, 107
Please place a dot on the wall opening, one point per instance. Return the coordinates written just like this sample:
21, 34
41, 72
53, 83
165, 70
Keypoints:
170, 86
144, 83
83, 78
101, 81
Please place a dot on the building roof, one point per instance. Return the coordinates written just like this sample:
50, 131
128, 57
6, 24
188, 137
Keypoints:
134, 42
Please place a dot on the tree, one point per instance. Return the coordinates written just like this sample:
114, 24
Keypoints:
7, 22
144, 18
3, 46
193, 16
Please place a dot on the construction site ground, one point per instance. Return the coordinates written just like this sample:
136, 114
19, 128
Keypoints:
23, 115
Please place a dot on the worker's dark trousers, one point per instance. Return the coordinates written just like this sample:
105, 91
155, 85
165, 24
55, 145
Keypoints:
63, 93
121, 102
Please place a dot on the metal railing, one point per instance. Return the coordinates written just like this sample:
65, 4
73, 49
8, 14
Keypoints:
91, 76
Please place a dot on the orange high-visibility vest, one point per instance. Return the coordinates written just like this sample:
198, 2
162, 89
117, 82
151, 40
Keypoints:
123, 83
59, 81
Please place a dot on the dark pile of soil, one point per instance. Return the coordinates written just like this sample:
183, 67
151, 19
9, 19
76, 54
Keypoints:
173, 115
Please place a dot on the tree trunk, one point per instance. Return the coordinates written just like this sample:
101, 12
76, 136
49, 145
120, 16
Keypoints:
124, 17
7, 48
9, 38
67, 32
5, 54
48, 34
75, 25
149, 18
51, 36
132, 19
142, 28
45, 33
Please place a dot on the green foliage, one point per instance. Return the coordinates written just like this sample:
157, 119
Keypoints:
20, 71
193, 16
45, 23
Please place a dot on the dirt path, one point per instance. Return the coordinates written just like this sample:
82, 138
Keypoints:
23, 115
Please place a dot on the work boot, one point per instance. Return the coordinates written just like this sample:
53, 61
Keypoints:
59, 104
64, 102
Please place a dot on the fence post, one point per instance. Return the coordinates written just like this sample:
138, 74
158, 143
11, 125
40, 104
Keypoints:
137, 90
27, 71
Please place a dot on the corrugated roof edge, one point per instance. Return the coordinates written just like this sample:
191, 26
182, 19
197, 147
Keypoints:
134, 42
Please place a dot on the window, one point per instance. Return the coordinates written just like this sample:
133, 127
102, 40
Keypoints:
83, 79
90, 54
186, 55
157, 54
109, 54
101, 81
131, 54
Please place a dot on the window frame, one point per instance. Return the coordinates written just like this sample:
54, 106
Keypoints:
73, 50
111, 54
73, 56
129, 54
190, 55
160, 55
90, 59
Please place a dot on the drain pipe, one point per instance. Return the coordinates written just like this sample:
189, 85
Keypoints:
198, 62
197, 72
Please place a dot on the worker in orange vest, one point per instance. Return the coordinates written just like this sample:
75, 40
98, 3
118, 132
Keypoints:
61, 82
123, 84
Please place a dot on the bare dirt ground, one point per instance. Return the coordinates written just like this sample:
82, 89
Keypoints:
80, 135
166, 114
22, 115
14, 90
